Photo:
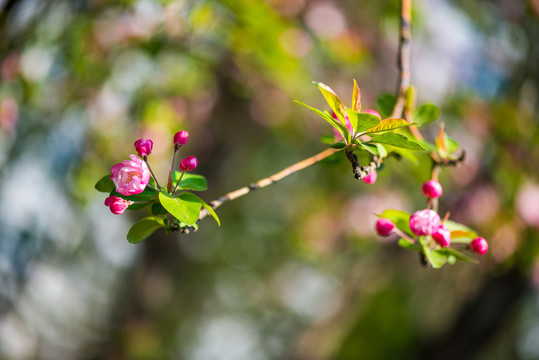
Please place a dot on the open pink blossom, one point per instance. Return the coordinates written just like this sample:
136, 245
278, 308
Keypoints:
116, 204
130, 176
424, 222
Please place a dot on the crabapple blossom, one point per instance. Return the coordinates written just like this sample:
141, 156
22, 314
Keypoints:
370, 178
144, 147
432, 189
424, 222
188, 164
479, 245
116, 204
384, 227
130, 176
180, 138
442, 236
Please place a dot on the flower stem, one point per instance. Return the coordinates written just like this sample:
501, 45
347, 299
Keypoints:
404, 236
169, 185
153, 187
151, 172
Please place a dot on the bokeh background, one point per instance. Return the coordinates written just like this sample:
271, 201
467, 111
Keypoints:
295, 271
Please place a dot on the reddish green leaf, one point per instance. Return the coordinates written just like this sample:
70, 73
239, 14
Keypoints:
335, 102
356, 98
388, 124
326, 116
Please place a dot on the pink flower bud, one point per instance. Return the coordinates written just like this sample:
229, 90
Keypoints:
130, 176
117, 205
144, 147
432, 189
442, 236
373, 112
384, 227
180, 138
347, 122
479, 245
424, 222
371, 178
188, 164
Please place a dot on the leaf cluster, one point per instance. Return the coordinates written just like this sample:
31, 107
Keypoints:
169, 211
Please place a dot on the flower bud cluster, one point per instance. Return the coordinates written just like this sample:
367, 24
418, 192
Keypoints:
131, 177
427, 223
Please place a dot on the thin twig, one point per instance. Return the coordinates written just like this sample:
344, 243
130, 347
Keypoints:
403, 57
269, 180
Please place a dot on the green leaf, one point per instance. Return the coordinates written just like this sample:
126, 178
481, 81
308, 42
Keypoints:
138, 206
401, 219
339, 145
326, 116
327, 139
105, 184
460, 234
362, 121
452, 145
144, 228
408, 245
190, 181
373, 149
407, 154
409, 103
427, 145
211, 211
436, 258
158, 209
184, 207
458, 255
426, 114
335, 102
388, 124
454, 226
386, 103
381, 150
148, 194
397, 140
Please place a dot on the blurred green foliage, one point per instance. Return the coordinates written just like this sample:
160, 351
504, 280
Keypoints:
295, 270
